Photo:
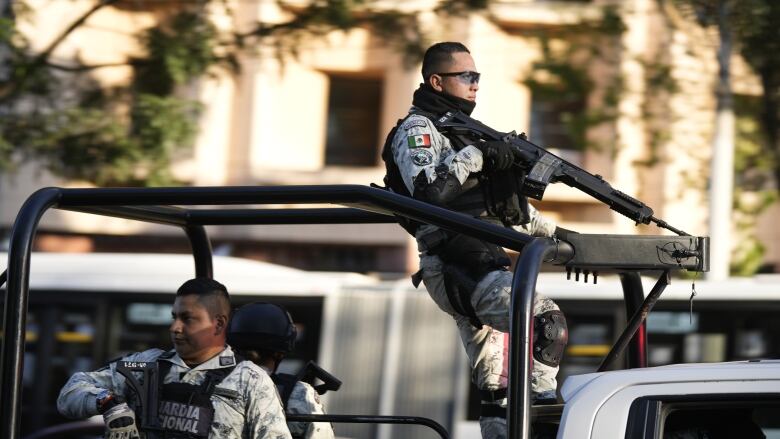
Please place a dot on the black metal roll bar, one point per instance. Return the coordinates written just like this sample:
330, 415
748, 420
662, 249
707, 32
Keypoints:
365, 205
98, 428
363, 419
637, 321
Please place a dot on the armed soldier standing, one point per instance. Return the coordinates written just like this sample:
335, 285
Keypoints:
204, 391
264, 333
466, 277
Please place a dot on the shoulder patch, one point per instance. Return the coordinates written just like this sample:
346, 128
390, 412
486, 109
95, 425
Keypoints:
226, 361
409, 124
421, 157
419, 141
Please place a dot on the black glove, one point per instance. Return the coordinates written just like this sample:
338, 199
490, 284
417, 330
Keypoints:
497, 155
562, 233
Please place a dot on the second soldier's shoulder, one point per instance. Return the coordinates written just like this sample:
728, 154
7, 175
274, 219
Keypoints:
303, 387
304, 393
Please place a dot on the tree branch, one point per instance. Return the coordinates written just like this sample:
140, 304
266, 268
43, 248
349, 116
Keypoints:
84, 68
43, 56
41, 60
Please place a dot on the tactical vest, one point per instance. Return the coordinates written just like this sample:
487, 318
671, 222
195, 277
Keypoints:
185, 410
484, 195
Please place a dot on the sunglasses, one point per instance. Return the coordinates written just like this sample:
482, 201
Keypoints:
468, 76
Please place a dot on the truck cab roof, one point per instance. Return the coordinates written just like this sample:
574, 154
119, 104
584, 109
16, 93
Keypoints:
607, 383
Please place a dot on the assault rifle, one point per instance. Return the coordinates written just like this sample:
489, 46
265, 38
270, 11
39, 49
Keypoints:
543, 167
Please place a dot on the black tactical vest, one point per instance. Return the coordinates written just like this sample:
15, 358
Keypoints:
483, 195
185, 410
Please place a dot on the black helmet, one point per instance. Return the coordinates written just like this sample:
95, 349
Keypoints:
262, 326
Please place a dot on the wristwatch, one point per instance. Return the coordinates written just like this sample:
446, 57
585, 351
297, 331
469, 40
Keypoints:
102, 400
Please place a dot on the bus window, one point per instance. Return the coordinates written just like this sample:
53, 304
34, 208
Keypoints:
592, 328
60, 341
141, 326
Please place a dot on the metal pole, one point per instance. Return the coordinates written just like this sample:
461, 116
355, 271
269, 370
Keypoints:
392, 356
521, 329
636, 321
722, 167
15, 311
201, 250
633, 296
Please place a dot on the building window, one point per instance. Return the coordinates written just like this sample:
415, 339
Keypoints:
552, 126
353, 121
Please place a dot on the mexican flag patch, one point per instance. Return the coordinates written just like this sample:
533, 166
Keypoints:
419, 141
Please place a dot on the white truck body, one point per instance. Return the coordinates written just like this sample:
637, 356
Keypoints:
598, 405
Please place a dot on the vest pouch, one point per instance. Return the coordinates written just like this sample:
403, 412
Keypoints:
505, 201
185, 411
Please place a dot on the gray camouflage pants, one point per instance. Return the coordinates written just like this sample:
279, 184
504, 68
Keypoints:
487, 348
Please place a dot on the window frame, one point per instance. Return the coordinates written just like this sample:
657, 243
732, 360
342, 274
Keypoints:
334, 158
647, 415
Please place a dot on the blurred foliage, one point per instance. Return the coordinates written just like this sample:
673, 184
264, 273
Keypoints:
757, 29
61, 117
58, 115
177, 51
754, 26
562, 74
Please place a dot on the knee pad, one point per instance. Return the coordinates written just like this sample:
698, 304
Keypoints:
550, 337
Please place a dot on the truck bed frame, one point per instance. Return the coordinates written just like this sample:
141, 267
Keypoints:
582, 254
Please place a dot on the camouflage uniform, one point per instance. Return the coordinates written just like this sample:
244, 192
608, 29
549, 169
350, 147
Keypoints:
487, 347
247, 406
304, 400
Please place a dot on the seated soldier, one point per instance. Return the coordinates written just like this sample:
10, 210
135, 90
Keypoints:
203, 392
264, 334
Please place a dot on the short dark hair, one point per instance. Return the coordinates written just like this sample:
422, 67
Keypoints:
438, 55
212, 294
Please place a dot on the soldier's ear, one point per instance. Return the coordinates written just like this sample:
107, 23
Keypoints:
221, 325
435, 82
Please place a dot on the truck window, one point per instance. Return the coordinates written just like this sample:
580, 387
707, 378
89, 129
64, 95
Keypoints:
722, 419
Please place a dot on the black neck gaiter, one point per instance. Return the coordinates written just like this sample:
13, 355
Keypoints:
432, 101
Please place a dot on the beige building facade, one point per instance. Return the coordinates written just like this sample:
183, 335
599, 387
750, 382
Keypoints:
321, 118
